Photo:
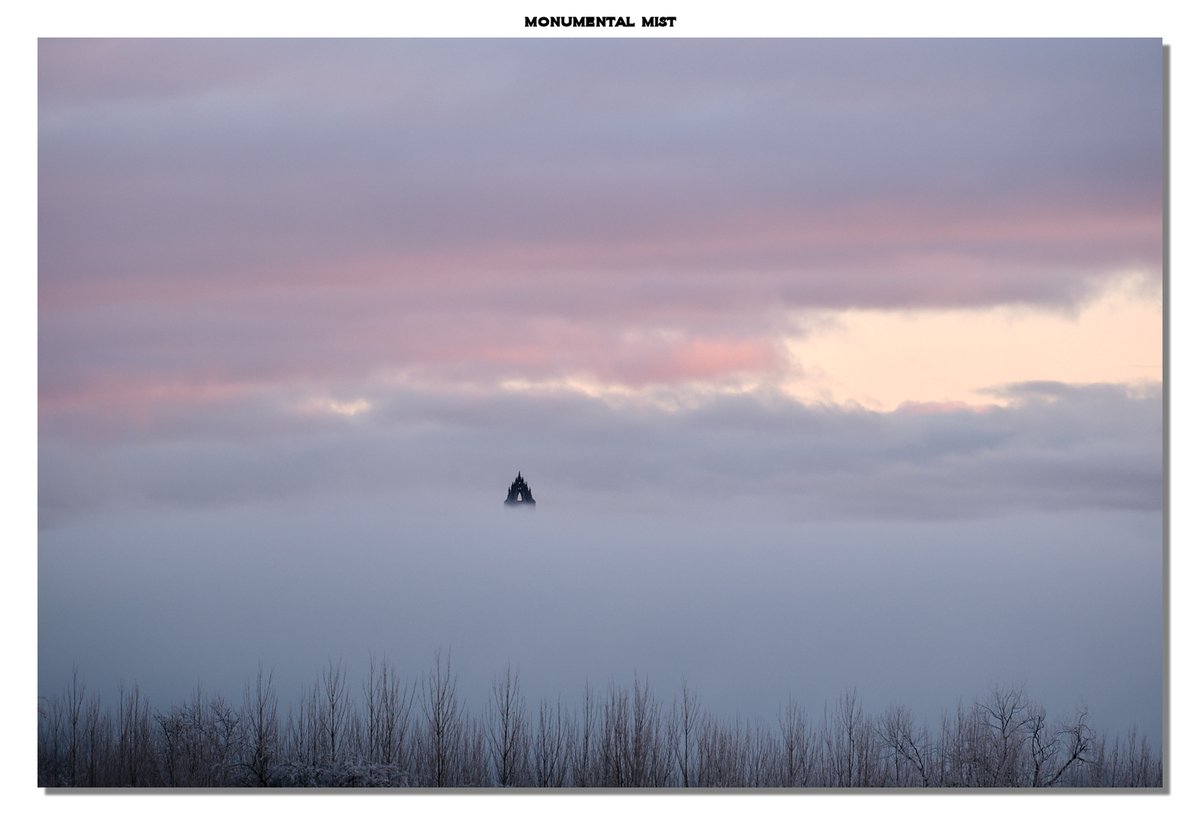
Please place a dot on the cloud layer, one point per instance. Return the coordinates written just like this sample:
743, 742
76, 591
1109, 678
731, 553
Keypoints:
1053, 448
245, 213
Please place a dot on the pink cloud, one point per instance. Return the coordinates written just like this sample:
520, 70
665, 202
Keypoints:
875, 254
138, 398
697, 359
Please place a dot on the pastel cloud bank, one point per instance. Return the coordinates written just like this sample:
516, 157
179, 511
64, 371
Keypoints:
299, 233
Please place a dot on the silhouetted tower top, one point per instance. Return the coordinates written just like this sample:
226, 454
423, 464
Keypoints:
519, 492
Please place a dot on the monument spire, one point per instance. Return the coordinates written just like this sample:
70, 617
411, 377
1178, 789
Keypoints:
519, 492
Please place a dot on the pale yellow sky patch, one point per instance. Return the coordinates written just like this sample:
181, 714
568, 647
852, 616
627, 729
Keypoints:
881, 359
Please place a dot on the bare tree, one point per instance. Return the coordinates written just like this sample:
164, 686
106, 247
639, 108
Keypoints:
74, 714
507, 731
796, 748
389, 704
647, 758
584, 759
333, 710
135, 757
720, 756
97, 737
1139, 767
551, 745
614, 740
1005, 715
472, 757
304, 742
1076, 738
849, 743
444, 728
760, 759
910, 761
260, 709
682, 733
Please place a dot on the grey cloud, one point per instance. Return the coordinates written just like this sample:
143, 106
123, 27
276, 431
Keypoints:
1088, 447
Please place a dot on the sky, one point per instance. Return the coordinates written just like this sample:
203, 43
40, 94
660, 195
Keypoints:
829, 362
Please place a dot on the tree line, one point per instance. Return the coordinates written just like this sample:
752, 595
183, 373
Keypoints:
389, 731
